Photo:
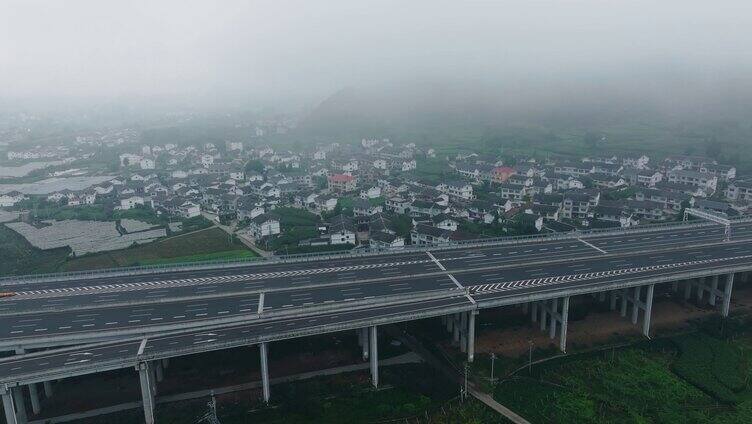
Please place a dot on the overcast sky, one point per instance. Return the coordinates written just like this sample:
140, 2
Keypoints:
301, 51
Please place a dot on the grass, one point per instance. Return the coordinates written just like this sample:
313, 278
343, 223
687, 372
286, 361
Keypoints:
18, 256
690, 379
226, 255
406, 391
210, 243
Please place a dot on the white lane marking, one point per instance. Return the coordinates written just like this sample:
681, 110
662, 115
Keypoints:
593, 246
436, 261
261, 303
141, 347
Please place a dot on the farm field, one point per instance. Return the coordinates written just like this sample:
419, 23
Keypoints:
207, 244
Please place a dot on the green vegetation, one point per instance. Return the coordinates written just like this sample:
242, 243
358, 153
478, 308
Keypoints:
212, 241
226, 255
408, 391
695, 378
711, 365
18, 256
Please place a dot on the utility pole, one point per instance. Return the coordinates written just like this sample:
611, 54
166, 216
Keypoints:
493, 359
530, 357
464, 389
211, 415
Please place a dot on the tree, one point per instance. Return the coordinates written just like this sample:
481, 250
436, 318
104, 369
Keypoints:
254, 165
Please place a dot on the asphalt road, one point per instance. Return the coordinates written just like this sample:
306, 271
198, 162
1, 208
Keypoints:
270, 298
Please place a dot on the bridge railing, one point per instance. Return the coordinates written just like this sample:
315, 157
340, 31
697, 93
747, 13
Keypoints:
354, 253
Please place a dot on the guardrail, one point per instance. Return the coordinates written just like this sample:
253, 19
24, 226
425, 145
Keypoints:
355, 253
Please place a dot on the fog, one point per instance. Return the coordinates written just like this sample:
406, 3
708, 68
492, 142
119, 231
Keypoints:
296, 53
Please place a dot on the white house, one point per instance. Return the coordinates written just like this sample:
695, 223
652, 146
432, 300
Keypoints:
409, 165
371, 193
456, 188
131, 202
264, 226
10, 199
380, 164
147, 163
189, 210
207, 160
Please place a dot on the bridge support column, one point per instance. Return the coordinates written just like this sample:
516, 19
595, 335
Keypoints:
463, 332
147, 391
165, 363
623, 306
564, 324
263, 349
455, 329
543, 315
687, 290
534, 313
449, 322
613, 297
602, 297
554, 317
727, 286
36, 408
636, 304
364, 342
9, 405
525, 307
158, 371
471, 335
552, 326
48, 389
713, 289
374, 342
648, 311
700, 285
675, 286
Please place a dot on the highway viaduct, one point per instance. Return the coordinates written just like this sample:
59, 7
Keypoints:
66, 325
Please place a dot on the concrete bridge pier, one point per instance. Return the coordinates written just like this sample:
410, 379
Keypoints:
363, 339
146, 378
455, 328
534, 312
374, 343
551, 316
638, 304
264, 351
36, 407
158, 371
471, 335
543, 311
727, 287
47, 389
613, 297
710, 285
463, 332
10, 402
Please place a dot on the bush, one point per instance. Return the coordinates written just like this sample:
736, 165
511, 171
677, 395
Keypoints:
711, 365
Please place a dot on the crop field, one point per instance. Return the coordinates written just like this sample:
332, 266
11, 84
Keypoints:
83, 236
208, 244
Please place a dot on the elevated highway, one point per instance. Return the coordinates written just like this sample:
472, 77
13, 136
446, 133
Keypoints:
119, 319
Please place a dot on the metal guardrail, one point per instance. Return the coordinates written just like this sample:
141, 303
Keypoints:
356, 253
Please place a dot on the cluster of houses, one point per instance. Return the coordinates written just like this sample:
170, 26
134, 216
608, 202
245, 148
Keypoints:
359, 191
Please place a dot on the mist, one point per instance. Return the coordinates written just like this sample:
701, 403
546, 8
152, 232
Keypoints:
682, 56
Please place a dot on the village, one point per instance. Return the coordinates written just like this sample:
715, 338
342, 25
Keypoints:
374, 194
